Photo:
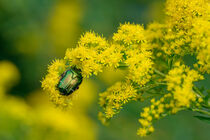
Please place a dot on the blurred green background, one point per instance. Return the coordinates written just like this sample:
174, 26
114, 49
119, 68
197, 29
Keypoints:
34, 32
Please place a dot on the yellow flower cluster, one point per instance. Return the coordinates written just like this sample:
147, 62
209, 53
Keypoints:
186, 31
91, 40
137, 51
138, 59
9, 76
114, 98
164, 38
154, 33
201, 43
85, 59
174, 36
181, 13
140, 65
92, 54
180, 83
129, 34
155, 111
158, 109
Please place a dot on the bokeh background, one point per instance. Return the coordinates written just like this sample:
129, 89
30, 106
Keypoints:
34, 32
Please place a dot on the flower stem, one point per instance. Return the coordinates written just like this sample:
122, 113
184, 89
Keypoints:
158, 72
149, 86
197, 91
202, 111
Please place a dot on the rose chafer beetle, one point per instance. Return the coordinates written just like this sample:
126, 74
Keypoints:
70, 81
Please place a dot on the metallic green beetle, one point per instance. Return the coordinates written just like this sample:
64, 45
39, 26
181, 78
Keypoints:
70, 81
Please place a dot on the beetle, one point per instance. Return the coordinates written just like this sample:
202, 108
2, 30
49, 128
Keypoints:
70, 81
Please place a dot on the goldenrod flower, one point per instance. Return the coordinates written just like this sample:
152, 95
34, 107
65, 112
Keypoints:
142, 132
129, 34
180, 83
85, 59
181, 13
115, 97
201, 43
155, 111
137, 51
94, 41
92, 54
175, 36
139, 65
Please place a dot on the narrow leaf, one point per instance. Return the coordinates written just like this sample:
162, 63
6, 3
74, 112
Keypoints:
202, 118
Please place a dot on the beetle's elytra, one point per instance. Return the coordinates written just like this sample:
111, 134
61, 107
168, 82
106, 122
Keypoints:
70, 81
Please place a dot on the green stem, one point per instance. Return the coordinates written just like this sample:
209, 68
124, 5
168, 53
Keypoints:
202, 111
151, 86
205, 112
158, 72
205, 106
198, 91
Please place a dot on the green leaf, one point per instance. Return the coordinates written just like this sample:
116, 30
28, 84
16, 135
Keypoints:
204, 119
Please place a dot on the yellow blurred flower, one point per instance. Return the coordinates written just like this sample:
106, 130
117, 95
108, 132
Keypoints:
9, 76
64, 26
